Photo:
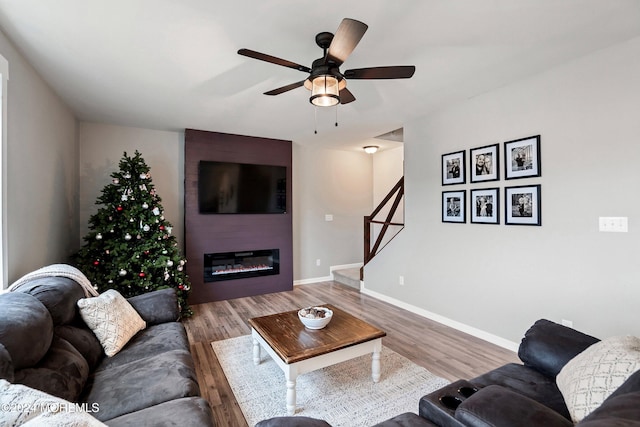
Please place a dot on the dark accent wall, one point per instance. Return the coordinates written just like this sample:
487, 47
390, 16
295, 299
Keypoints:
209, 233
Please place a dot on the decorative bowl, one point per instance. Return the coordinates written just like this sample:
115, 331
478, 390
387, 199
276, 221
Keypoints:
315, 317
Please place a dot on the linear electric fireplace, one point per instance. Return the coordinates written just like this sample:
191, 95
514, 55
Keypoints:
239, 265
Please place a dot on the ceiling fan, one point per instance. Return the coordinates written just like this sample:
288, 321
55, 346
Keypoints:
327, 84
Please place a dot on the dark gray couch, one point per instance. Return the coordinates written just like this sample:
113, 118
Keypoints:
44, 344
515, 394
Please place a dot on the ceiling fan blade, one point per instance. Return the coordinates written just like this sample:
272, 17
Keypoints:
286, 88
346, 96
394, 72
346, 39
272, 59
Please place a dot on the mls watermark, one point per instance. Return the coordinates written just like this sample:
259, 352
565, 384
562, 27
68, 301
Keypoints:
69, 407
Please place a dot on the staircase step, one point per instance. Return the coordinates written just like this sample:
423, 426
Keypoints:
348, 276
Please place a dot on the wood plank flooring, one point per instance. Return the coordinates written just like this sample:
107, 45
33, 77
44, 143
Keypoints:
444, 351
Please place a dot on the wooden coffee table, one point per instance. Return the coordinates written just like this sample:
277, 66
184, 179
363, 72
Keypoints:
297, 350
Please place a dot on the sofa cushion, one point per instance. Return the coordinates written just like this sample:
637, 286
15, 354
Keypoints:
43, 409
58, 294
593, 375
497, 406
112, 319
548, 346
6, 365
528, 382
149, 342
63, 372
84, 341
26, 328
157, 307
188, 411
143, 383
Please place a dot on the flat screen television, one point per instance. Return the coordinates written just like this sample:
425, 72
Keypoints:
241, 188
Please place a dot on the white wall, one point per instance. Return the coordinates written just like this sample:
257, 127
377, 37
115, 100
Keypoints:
500, 279
42, 162
330, 182
101, 148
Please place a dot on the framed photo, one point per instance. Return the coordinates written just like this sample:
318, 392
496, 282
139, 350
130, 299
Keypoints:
485, 206
522, 205
484, 163
453, 206
522, 157
453, 168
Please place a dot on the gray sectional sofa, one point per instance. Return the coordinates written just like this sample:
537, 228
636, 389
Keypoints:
46, 345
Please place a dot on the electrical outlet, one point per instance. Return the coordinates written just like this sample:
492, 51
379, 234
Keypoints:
318, 262
401, 280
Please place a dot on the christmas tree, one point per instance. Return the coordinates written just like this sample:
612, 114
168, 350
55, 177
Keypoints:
130, 247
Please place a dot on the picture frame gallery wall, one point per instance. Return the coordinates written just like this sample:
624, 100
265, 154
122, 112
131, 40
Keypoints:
522, 203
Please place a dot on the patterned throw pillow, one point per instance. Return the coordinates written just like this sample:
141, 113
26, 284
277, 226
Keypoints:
112, 319
25, 406
590, 377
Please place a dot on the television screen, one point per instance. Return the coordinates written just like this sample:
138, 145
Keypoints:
240, 188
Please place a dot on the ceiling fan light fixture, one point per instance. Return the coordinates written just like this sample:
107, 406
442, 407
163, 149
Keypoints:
325, 91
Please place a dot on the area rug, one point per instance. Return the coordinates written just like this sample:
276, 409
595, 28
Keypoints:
342, 395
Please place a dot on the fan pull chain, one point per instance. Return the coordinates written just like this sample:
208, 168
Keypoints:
315, 119
337, 114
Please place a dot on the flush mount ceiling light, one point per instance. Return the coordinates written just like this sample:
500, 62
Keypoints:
370, 149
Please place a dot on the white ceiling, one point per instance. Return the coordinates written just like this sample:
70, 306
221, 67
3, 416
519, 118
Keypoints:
171, 65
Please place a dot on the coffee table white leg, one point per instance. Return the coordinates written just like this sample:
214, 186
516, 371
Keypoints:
375, 362
291, 376
256, 352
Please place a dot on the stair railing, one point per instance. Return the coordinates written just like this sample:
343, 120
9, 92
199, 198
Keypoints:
369, 222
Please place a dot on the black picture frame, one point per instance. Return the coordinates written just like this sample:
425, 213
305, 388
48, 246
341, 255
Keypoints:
522, 158
484, 163
454, 206
484, 206
453, 168
522, 205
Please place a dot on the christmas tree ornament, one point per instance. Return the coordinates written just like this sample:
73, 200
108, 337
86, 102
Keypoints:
127, 175
164, 252
161, 227
127, 236
119, 208
145, 205
142, 274
96, 262
146, 228
122, 272
98, 236
156, 211
124, 197
138, 237
169, 263
143, 176
116, 181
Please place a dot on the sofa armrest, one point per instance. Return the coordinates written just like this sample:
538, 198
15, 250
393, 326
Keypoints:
548, 346
497, 406
157, 307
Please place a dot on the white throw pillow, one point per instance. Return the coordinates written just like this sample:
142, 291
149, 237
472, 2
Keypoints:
589, 378
112, 319
24, 406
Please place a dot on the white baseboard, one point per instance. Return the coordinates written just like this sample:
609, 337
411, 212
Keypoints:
312, 280
494, 339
